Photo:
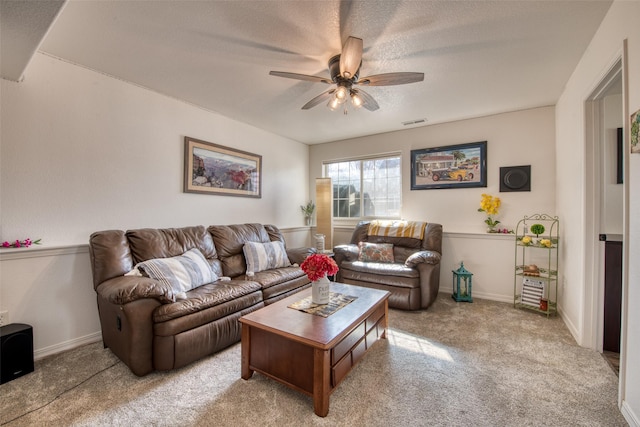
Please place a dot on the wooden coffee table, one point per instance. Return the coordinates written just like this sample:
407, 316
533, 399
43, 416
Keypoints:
311, 353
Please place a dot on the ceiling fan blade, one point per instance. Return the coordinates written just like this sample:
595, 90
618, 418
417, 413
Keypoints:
324, 96
315, 79
351, 57
367, 100
391, 79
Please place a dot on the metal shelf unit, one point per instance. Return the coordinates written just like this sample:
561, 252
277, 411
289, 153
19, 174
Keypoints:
542, 251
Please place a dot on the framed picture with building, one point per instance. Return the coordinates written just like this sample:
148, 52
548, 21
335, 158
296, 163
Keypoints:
451, 166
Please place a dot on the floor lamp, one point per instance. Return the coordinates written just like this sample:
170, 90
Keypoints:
324, 210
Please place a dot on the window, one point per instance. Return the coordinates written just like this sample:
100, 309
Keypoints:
369, 187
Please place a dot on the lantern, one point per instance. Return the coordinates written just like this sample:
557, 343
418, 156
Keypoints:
462, 284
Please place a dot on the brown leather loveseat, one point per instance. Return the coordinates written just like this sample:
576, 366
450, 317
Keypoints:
408, 267
152, 325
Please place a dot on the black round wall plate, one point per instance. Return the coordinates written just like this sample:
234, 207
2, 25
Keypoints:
515, 178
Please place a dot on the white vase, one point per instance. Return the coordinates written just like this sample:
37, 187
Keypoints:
320, 290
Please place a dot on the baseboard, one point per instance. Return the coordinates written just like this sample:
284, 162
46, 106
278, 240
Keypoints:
627, 413
485, 295
493, 297
67, 345
571, 327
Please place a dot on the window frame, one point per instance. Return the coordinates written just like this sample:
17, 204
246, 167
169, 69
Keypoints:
380, 156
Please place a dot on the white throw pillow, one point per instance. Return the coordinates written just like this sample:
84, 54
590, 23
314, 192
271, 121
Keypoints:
265, 256
182, 273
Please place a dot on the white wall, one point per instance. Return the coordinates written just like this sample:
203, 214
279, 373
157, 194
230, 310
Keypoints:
51, 289
513, 139
606, 47
490, 257
82, 152
518, 138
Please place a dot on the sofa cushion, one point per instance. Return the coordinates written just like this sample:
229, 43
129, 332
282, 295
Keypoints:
380, 269
396, 275
229, 243
280, 281
375, 252
265, 256
229, 297
110, 255
152, 243
230, 239
182, 273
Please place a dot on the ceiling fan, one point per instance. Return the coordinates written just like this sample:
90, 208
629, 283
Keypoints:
344, 70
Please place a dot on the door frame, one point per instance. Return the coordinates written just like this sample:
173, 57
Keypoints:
593, 302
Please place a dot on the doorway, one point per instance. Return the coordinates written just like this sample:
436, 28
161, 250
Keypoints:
605, 189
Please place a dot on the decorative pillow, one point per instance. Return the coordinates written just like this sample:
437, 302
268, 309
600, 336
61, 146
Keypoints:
182, 273
265, 256
375, 252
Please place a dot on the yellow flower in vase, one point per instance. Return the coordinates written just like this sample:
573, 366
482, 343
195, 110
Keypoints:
490, 205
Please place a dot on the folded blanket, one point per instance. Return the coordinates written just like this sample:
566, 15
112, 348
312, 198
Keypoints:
393, 228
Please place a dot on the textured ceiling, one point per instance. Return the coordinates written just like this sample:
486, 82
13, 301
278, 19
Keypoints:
478, 57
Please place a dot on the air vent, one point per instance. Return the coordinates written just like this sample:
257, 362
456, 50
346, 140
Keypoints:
414, 122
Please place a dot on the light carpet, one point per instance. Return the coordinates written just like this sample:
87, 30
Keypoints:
455, 364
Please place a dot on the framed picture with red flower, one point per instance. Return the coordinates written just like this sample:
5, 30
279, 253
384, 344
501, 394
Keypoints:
215, 169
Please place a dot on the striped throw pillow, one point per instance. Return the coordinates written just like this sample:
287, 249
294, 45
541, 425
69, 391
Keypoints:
182, 273
265, 256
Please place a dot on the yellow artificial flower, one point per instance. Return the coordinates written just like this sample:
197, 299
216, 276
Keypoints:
545, 242
526, 240
490, 204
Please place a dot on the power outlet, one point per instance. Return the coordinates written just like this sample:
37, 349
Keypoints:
4, 318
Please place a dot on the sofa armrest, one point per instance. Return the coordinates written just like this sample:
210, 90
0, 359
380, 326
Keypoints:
345, 253
426, 257
125, 289
297, 255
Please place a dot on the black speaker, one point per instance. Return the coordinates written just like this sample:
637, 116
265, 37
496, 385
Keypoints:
16, 351
515, 178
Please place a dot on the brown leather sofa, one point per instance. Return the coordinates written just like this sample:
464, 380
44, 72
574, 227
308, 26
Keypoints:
142, 321
412, 276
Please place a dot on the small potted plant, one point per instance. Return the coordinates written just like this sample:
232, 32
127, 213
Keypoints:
307, 210
537, 229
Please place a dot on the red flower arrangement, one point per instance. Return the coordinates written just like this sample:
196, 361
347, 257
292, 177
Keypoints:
20, 244
317, 265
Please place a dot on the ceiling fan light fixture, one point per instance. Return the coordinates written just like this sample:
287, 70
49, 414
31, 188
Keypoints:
334, 103
341, 93
356, 101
